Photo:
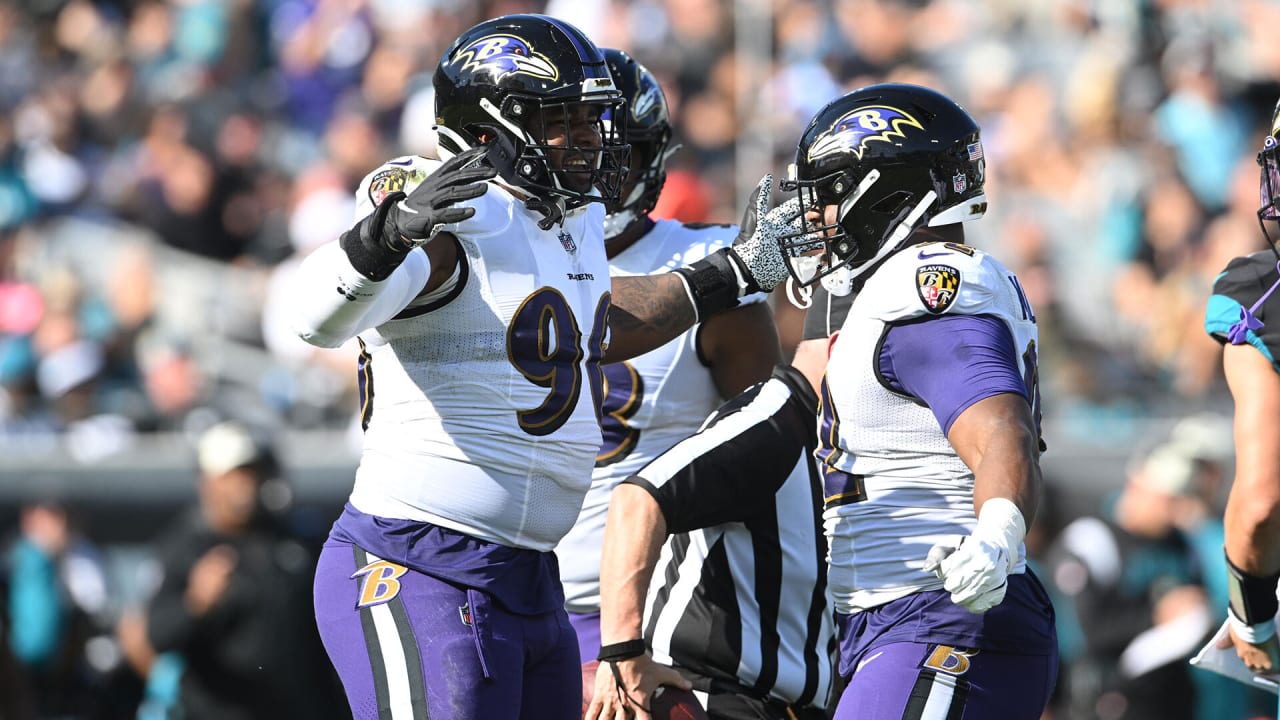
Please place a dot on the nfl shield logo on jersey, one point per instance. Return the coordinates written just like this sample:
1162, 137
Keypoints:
937, 286
567, 241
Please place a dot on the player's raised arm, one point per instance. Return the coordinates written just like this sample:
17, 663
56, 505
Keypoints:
372, 272
650, 310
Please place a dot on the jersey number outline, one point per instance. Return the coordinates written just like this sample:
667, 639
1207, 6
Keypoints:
544, 343
623, 395
1031, 378
1030, 360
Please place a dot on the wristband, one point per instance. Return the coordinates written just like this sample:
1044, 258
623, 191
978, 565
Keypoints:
714, 284
1255, 634
622, 651
1253, 598
365, 247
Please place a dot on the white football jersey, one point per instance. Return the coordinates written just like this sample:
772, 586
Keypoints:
902, 488
479, 401
651, 402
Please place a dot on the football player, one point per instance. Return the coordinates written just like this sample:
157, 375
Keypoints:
929, 436
480, 292
654, 400
1242, 314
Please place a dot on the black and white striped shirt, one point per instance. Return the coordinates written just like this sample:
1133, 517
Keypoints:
738, 595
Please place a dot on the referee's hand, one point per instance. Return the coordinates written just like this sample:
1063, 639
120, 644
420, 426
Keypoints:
626, 694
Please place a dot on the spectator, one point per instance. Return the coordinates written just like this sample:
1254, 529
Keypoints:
57, 597
234, 595
1133, 581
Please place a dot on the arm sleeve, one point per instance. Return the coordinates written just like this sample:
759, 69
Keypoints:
730, 469
951, 362
332, 302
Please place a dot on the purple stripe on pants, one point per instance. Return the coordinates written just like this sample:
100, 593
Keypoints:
587, 625
477, 660
911, 681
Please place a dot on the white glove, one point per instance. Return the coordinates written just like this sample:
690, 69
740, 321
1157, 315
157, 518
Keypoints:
975, 569
756, 250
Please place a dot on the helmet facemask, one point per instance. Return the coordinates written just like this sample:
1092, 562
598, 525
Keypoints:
642, 184
822, 245
576, 173
1269, 185
843, 257
579, 173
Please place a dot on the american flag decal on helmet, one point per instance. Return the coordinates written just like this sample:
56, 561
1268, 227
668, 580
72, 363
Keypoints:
975, 151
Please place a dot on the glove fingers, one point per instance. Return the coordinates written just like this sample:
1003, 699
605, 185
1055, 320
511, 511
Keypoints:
441, 183
478, 173
449, 216
762, 194
937, 553
789, 210
462, 159
456, 194
984, 601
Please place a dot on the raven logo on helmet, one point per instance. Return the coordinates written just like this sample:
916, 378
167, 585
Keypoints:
648, 101
503, 55
858, 127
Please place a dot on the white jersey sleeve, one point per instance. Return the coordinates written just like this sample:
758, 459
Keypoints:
327, 319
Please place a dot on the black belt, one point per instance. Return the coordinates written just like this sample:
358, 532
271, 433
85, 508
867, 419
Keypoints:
777, 706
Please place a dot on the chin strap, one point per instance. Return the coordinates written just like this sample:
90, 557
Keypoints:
799, 295
552, 210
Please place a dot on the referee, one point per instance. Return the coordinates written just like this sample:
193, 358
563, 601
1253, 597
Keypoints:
714, 562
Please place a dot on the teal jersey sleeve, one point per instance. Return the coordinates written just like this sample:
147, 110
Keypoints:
1239, 287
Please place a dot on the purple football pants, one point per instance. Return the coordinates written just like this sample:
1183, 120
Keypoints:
587, 627
409, 646
923, 681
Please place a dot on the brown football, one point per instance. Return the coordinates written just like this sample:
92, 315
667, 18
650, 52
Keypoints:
588, 683
670, 703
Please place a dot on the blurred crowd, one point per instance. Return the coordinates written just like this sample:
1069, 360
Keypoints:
164, 164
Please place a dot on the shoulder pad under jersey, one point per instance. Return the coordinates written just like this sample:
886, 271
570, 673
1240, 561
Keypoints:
935, 279
494, 209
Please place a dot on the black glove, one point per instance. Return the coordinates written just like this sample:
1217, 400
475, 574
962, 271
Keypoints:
379, 243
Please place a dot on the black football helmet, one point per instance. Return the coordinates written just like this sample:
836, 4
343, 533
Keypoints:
891, 158
507, 81
648, 132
